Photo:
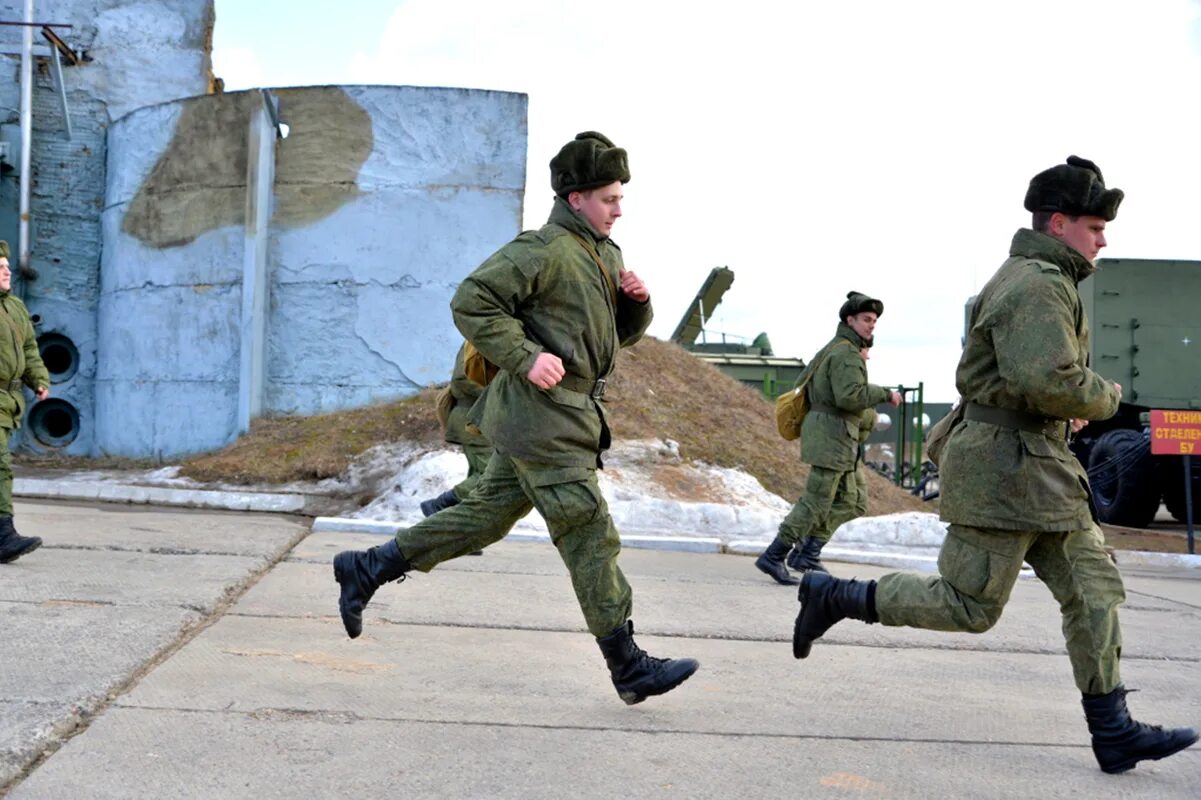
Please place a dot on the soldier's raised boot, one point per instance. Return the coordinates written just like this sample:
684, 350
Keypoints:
806, 557
12, 544
1119, 742
771, 562
360, 573
826, 600
444, 500
636, 675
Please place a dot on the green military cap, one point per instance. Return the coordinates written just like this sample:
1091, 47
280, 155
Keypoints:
588, 161
3, 249
1075, 188
858, 302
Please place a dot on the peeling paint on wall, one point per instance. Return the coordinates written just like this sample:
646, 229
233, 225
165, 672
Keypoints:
199, 182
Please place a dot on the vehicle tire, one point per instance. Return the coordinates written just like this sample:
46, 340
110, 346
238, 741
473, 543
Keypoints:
1171, 477
1123, 479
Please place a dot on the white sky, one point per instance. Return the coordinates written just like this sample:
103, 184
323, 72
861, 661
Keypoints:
813, 148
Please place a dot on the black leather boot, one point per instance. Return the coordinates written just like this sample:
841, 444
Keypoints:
771, 562
636, 675
360, 573
807, 557
12, 544
826, 600
1119, 742
444, 500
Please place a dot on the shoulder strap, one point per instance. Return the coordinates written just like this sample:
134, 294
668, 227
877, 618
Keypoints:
599, 265
809, 373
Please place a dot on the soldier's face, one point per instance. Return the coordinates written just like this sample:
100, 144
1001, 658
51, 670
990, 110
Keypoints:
1085, 235
601, 207
6, 276
863, 323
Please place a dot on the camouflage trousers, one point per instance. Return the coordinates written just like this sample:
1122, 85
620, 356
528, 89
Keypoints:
570, 501
477, 461
978, 568
6, 475
831, 498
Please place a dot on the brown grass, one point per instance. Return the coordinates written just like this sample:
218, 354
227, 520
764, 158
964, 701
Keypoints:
285, 449
659, 391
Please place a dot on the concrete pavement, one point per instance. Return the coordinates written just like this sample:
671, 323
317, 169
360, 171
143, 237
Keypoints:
156, 653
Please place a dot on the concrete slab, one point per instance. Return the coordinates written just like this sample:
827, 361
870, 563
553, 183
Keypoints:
478, 680
139, 753
113, 589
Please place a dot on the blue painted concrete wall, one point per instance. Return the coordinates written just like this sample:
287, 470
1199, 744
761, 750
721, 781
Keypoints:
135, 54
385, 198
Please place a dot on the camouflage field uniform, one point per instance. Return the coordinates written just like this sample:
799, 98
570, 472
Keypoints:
543, 291
839, 394
475, 444
20, 366
1012, 494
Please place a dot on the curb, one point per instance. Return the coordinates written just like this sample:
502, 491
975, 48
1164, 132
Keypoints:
157, 495
685, 544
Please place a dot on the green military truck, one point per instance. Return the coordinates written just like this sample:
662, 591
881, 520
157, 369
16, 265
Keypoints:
1145, 330
1145, 333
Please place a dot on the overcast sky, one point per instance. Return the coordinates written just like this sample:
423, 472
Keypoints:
813, 148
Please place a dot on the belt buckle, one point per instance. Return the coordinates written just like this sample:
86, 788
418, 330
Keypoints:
598, 390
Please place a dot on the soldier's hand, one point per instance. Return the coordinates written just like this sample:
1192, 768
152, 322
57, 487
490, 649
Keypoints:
42, 393
1077, 424
1118, 386
547, 370
633, 287
895, 400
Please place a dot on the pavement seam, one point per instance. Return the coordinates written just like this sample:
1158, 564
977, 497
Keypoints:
82, 720
340, 717
714, 638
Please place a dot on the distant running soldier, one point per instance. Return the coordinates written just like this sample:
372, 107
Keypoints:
838, 395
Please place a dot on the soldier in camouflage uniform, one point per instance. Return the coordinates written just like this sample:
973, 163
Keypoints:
20, 366
838, 395
475, 444
1011, 489
550, 309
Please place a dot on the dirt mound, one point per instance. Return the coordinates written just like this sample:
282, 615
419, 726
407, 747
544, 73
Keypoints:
659, 391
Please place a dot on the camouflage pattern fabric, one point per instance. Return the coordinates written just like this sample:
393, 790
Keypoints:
829, 496
465, 393
977, 570
840, 381
543, 291
568, 498
6, 475
848, 502
1026, 350
478, 456
20, 361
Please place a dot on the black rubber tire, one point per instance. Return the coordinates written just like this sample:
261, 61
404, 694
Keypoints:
1123, 478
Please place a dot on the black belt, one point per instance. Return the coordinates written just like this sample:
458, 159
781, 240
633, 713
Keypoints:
15, 386
593, 388
1020, 420
849, 416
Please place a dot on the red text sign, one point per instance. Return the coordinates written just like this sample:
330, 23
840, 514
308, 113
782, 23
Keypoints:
1176, 433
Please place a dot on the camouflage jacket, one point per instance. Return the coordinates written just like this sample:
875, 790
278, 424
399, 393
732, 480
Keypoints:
543, 291
465, 392
1026, 350
20, 362
838, 394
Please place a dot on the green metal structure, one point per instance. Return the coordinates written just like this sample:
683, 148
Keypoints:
753, 364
